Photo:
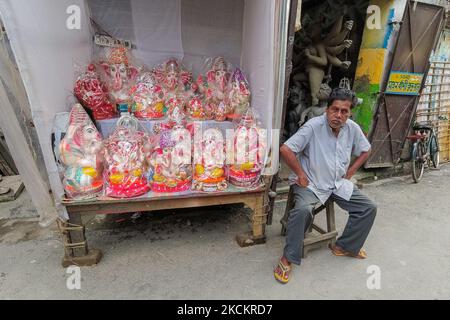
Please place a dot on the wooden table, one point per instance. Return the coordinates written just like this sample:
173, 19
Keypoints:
78, 253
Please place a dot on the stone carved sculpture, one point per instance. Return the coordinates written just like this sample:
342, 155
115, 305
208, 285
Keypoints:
323, 52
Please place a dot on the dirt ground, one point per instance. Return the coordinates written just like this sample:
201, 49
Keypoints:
192, 253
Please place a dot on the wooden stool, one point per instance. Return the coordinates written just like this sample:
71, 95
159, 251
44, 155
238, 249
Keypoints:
312, 240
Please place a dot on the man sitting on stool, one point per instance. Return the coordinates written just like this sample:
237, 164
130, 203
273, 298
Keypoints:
324, 146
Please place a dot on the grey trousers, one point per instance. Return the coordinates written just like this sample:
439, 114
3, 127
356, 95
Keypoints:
362, 212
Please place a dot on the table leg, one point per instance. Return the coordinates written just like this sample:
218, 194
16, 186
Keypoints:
258, 222
75, 244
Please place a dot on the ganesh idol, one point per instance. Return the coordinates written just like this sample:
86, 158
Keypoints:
119, 75
209, 162
175, 80
92, 93
125, 160
214, 86
238, 99
147, 98
80, 152
249, 147
170, 161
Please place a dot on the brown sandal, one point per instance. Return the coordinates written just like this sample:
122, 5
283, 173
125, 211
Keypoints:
342, 253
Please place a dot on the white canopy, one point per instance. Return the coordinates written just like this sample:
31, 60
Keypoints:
245, 32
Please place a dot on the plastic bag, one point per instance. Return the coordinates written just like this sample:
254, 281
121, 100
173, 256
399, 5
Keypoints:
175, 80
126, 166
209, 162
93, 95
147, 98
80, 152
213, 87
119, 74
238, 97
170, 160
249, 149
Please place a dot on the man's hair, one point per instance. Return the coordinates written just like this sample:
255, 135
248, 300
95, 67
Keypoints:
343, 95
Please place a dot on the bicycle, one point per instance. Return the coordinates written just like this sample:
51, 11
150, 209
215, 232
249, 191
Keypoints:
425, 149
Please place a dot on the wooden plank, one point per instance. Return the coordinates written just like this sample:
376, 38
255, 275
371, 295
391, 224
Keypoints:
7, 166
15, 184
312, 239
156, 197
149, 204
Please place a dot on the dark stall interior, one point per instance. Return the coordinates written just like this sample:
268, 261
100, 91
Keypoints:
320, 20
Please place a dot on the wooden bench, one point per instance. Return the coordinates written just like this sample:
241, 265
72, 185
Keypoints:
322, 237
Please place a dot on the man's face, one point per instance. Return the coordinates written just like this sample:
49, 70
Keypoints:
338, 113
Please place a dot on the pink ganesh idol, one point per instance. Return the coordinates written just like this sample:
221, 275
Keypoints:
209, 162
120, 75
249, 147
195, 109
238, 99
92, 94
213, 86
125, 160
147, 98
170, 161
174, 79
80, 152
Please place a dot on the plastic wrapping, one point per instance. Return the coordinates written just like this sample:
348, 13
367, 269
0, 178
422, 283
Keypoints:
249, 149
209, 162
170, 160
175, 80
214, 86
80, 152
238, 98
119, 74
126, 167
176, 112
196, 110
147, 97
92, 94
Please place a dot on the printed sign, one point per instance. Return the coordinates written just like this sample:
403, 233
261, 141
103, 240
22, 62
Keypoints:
404, 83
107, 41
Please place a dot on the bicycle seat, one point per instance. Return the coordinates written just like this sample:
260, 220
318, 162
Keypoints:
422, 127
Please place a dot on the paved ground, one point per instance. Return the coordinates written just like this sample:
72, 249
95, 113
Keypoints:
193, 255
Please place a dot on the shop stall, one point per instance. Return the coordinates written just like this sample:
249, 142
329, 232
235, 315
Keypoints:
212, 71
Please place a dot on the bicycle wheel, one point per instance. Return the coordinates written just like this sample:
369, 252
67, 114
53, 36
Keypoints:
418, 165
434, 151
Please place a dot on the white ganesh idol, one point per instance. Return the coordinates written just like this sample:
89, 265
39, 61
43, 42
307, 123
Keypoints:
249, 147
209, 160
80, 152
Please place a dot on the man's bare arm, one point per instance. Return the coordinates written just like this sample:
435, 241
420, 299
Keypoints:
291, 160
357, 164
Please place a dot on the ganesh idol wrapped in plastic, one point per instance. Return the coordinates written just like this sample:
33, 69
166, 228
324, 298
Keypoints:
209, 161
92, 93
213, 86
80, 152
238, 98
126, 167
147, 98
248, 151
175, 80
170, 161
119, 74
